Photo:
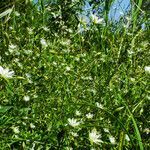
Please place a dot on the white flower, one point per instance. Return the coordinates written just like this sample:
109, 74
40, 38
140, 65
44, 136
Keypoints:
147, 69
35, 96
16, 13
127, 137
65, 42
106, 130
77, 59
43, 42
75, 1
32, 126
78, 113
28, 52
30, 30
6, 73
68, 68
99, 105
46, 29
25, 117
26, 98
89, 115
83, 20
33, 147
15, 130
73, 122
54, 63
12, 46
74, 134
69, 148
112, 140
28, 75
94, 137
10, 27
147, 130
95, 19
132, 79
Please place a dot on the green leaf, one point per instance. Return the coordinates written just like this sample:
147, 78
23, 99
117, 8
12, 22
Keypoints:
119, 109
4, 109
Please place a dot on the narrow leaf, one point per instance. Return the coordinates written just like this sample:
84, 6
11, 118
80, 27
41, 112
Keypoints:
8, 11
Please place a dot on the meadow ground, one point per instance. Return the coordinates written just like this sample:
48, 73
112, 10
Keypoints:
79, 88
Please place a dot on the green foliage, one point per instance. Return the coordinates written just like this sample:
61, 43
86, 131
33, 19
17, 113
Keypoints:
75, 85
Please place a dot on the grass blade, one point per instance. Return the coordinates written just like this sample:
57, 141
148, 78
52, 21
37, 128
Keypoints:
136, 129
8, 11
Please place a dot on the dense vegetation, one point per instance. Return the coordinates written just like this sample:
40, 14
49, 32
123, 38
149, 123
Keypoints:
67, 82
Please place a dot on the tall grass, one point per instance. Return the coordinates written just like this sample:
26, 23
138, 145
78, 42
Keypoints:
73, 89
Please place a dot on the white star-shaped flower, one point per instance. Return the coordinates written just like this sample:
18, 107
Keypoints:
6, 73
94, 137
112, 140
73, 122
89, 115
95, 19
147, 69
43, 42
26, 98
